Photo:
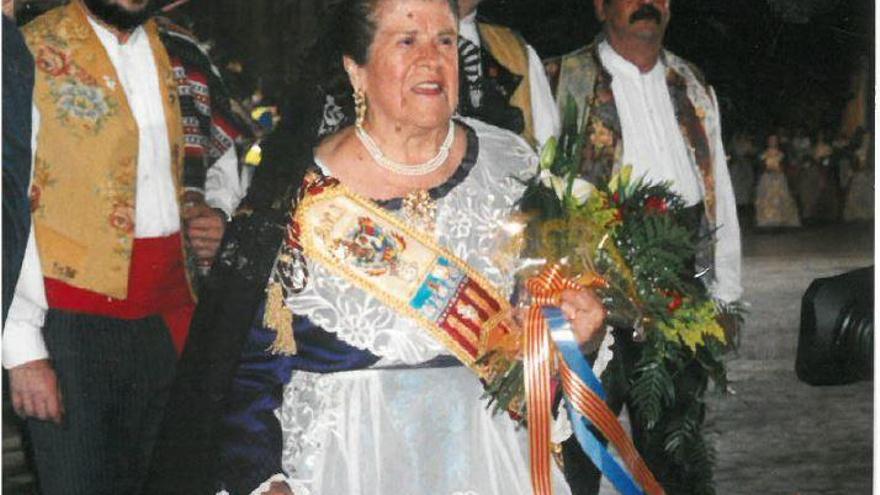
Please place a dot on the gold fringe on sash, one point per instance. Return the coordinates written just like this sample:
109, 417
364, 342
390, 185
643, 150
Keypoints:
278, 317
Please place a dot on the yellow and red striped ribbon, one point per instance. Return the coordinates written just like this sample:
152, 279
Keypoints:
538, 361
594, 408
536, 367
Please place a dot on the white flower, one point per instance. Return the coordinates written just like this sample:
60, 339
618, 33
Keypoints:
581, 190
558, 184
552, 182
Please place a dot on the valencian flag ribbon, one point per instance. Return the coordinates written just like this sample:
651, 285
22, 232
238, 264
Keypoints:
583, 393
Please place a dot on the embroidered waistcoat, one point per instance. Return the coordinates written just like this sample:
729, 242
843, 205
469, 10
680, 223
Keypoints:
86, 153
582, 76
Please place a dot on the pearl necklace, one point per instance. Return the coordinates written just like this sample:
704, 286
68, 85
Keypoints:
404, 168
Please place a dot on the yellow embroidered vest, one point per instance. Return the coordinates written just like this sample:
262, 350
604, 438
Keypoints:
510, 51
85, 173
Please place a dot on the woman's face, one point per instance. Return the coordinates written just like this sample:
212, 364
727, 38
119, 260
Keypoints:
411, 74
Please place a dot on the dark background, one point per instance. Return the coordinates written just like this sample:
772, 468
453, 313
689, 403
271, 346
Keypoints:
773, 62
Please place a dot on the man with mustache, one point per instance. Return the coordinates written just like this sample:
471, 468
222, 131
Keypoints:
641, 105
133, 143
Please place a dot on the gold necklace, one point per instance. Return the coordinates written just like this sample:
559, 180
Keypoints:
420, 210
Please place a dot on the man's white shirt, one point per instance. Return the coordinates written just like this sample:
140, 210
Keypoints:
655, 147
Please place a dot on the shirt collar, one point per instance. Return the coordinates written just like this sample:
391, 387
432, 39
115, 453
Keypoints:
467, 28
108, 38
621, 67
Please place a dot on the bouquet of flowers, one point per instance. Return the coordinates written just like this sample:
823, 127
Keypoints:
632, 242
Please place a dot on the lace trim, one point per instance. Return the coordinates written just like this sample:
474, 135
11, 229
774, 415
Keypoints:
309, 411
605, 353
266, 484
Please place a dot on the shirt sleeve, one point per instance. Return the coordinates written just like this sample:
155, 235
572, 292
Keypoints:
728, 250
223, 187
545, 115
22, 333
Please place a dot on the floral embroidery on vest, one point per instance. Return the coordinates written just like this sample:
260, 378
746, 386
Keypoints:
85, 103
80, 100
42, 181
603, 149
690, 118
118, 189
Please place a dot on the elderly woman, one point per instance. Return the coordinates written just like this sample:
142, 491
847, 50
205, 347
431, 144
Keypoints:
334, 377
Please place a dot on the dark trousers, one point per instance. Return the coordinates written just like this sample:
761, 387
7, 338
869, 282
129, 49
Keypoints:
581, 474
114, 376
584, 478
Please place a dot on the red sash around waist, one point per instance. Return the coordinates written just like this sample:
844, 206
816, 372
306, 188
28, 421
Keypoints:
157, 285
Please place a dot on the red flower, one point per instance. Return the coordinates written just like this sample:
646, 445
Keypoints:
83, 76
52, 61
675, 303
656, 204
615, 198
122, 218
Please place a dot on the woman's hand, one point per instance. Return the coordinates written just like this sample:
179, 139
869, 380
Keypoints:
585, 312
278, 488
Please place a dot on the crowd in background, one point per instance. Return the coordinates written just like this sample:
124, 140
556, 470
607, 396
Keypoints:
797, 177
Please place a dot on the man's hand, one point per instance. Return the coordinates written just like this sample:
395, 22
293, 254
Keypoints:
204, 229
585, 312
35, 392
731, 325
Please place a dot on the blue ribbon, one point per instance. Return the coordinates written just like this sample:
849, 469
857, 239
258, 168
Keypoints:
560, 332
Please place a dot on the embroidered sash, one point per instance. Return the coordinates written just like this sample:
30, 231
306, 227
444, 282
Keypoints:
407, 270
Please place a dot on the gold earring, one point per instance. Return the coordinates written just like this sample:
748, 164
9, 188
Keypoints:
360, 107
